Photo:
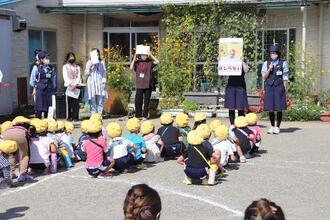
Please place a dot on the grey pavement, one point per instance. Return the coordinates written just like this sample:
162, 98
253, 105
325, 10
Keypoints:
293, 171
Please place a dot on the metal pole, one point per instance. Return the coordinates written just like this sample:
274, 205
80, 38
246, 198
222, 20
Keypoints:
304, 22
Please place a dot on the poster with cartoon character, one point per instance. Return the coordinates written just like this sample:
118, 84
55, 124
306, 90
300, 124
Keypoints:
230, 56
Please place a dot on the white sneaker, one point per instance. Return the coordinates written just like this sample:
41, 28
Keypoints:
271, 130
276, 130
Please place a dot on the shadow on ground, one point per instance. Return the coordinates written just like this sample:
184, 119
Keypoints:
14, 212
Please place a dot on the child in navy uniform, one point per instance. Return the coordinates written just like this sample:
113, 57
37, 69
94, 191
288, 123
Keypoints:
170, 136
182, 122
199, 118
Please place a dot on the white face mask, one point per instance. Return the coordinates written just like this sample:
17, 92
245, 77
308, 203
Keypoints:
144, 57
46, 61
274, 56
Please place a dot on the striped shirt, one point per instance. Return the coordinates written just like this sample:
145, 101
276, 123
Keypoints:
95, 79
4, 162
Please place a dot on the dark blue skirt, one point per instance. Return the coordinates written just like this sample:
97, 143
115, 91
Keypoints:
275, 98
236, 98
43, 101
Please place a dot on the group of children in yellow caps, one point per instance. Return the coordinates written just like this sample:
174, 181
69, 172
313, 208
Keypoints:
43, 145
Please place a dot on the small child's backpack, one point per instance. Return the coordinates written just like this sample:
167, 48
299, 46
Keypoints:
79, 152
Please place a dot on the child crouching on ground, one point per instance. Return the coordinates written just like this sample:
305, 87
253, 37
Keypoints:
41, 148
98, 117
67, 138
243, 136
153, 143
133, 126
182, 123
214, 124
196, 159
118, 148
170, 137
97, 163
252, 120
6, 147
199, 118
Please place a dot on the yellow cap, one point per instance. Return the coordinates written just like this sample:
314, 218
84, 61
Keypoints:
221, 132
147, 127
114, 130
6, 125
69, 127
251, 118
8, 146
60, 125
204, 130
214, 124
166, 119
96, 117
91, 127
52, 126
241, 122
133, 125
182, 120
194, 138
40, 125
84, 126
34, 120
21, 119
199, 117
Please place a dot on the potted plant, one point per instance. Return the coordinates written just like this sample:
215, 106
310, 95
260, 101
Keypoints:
325, 116
324, 98
170, 105
119, 82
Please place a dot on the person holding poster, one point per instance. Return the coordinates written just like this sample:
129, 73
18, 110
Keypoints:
96, 80
231, 64
275, 74
142, 64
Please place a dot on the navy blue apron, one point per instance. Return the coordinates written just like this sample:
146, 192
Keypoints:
44, 88
275, 95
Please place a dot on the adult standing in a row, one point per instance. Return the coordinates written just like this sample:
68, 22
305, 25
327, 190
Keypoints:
96, 81
275, 74
72, 79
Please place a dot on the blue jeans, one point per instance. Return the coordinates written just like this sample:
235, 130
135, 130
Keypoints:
96, 104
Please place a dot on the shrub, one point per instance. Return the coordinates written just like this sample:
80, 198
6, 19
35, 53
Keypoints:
303, 111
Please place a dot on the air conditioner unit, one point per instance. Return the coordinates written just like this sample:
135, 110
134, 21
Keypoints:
19, 23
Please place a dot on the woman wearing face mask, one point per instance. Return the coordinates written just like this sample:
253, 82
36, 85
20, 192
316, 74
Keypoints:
72, 80
142, 66
45, 84
275, 74
96, 79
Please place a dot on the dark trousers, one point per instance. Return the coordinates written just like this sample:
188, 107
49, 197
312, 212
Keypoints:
142, 97
39, 114
73, 108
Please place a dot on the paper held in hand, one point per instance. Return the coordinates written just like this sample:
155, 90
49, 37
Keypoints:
142, 50
94, 57
230, 56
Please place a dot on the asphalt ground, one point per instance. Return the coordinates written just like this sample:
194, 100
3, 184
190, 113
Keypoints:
293, 170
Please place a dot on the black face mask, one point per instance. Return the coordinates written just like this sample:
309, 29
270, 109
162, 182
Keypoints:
71, 61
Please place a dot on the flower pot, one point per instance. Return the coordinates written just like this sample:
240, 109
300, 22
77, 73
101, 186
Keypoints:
325, 117
208, 113
174, 112
117, 102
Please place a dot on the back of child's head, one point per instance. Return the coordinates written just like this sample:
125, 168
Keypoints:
252, 118
147, 127
221, 133
114, 130
241, 122
96, 117
199, 118
133, 125
52, 126
142, 203
263, 209
204, 130
8, 146
69, 127
22, 121
41, 126
92, 128
194, 138
214, 124
60, 126
5, 126
166, 119
182, 120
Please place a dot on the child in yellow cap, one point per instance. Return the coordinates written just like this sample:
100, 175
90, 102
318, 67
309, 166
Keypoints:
133, 126
170, 136
6, 147
182, 123
196, 159
119, 149
66, 137
42, 148
252, 120
199, 118
153, 142
97, 163
243, 136
98, 117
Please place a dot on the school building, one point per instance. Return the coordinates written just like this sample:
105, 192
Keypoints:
61, 26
